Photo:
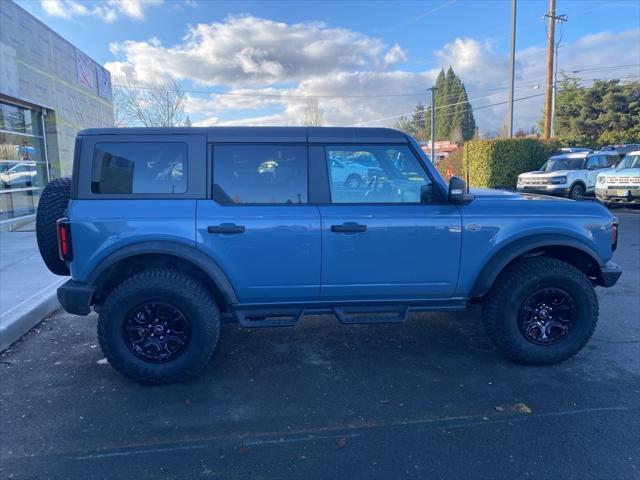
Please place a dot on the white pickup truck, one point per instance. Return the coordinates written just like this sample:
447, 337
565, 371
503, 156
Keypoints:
568, 174
622, 183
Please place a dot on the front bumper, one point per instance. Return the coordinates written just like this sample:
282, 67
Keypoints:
76, 297
619, 195
560, 190
609, 274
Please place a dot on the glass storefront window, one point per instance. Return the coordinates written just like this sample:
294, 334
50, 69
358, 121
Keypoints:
23, 167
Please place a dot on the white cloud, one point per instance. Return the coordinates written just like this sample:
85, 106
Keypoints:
245, 50
248, 55
107, 10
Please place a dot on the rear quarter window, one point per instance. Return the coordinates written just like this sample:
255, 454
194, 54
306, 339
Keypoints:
139, 167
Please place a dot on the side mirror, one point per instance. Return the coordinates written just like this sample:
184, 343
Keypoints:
458, 191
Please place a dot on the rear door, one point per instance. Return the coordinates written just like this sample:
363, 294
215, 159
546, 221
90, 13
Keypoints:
258, 224
379, 242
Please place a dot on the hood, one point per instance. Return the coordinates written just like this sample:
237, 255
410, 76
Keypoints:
494, 194
536, 173
614, 172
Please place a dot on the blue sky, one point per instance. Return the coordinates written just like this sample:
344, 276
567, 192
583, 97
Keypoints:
329, 48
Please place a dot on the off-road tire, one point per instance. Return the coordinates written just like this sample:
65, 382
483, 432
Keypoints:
175, 288
52, 206
577, 191
501, 306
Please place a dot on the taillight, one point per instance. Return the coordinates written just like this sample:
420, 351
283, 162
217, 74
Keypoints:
614, 234
64, 239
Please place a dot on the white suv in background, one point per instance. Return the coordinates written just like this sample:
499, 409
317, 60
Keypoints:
621, 184
568, 174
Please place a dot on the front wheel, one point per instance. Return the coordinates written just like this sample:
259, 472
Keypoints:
159, 326
540, 311
576, 192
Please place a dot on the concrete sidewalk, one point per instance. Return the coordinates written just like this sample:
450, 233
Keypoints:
27, 287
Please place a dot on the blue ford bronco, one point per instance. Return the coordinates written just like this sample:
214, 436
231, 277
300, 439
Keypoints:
166, 232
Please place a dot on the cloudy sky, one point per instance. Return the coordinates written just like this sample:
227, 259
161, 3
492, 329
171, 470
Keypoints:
367, 61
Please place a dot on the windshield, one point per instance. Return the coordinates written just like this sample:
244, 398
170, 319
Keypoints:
555, 164
630, 161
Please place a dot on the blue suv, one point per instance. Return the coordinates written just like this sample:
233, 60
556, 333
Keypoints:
166, 232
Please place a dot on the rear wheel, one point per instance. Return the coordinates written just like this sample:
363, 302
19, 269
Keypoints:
52, 206
540, 311
159, 326
576, 192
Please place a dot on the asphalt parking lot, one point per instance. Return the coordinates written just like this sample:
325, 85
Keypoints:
430, 398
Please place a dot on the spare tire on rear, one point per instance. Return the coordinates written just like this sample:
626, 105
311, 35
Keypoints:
52, 206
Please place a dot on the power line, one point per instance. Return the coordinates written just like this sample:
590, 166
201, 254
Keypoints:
476, 108
520, 84
447, 114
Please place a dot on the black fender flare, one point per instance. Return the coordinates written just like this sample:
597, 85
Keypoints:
519, 247
173, 249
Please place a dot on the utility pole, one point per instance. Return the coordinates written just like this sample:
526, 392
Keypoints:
433, 124
547, 99
512, 65
561, 19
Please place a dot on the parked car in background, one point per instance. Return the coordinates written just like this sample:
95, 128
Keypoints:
621, 184
568, 174
622, 150
351, 174
20, 174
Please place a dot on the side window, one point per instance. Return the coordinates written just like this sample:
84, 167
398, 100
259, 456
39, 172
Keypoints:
275, 174
596, 162
139, 167
377, 174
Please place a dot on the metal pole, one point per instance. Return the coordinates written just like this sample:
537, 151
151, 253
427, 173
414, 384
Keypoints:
555, 89
512, 64
433, 125
550, 56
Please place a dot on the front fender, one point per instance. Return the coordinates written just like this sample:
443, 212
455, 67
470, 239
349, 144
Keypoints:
516, 248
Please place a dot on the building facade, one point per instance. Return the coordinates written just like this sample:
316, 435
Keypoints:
49, 90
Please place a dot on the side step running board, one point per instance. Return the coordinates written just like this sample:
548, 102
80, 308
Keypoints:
372, 314
289, 316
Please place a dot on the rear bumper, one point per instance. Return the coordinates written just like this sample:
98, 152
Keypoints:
76, 297
609, 274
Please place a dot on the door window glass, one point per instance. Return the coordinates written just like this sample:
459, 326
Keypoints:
139, 167
377, 174
271, 174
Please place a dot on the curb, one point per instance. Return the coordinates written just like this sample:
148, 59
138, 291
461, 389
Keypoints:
27, 314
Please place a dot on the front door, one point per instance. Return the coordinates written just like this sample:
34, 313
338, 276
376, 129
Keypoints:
259, 227
379, 242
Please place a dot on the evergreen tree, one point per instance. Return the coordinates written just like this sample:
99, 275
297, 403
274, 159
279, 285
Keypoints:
605, 112
418, 122
440, 104
454, 115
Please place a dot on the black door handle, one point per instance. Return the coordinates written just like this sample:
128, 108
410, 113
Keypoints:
225, 228
349, 228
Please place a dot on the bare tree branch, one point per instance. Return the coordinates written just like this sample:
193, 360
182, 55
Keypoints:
312, 113
137, 104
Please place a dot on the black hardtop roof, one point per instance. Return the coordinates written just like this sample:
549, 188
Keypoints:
266, 134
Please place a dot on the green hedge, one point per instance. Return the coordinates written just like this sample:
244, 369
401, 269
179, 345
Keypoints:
497, 163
